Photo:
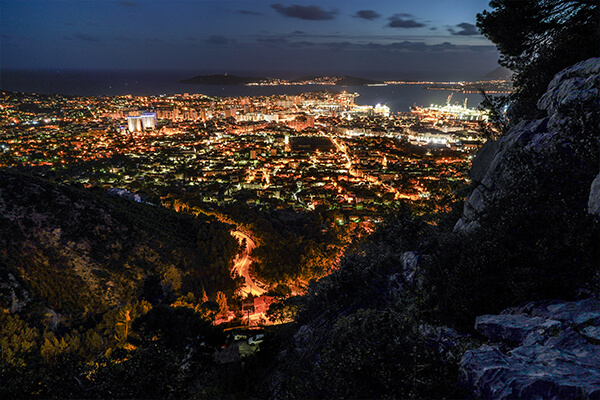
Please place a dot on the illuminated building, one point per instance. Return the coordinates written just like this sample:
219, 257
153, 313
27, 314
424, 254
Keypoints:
142, 122
134, 124
148, 120
382, 110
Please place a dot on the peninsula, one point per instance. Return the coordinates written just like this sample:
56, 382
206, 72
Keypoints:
231, 80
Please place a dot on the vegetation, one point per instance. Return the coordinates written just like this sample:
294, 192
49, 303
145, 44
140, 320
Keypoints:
78, 251
537, 39
292, 247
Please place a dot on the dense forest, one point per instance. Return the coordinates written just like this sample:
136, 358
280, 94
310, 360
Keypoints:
90, 281
293, 247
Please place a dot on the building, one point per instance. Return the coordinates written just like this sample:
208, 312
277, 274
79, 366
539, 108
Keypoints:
134, 124
148, 120
141, 122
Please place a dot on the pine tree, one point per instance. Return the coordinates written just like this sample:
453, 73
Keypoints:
537, 39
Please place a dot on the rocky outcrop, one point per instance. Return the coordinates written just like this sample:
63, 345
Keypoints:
594, 200
572, 102
13, 296
511, 328
545, 350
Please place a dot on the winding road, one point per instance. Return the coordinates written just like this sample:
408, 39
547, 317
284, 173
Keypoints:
242, 265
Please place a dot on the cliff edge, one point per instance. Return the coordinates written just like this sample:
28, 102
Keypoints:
568, 136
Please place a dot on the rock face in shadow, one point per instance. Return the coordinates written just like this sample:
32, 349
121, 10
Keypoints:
545, 350
572, 102
594, 200
548, 168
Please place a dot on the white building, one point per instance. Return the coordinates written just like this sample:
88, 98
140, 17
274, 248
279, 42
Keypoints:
148, 120
142, 122
134, 124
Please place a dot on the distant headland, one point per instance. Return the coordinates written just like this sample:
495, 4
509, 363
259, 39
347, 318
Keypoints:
232, 80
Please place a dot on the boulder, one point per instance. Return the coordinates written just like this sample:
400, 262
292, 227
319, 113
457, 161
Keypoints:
578, 313
512, 328
575, 87
13, 296
544, 350
410, 263
594, 199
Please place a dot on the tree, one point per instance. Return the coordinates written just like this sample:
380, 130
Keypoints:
17, 339
222, 302
536, 40
498, 122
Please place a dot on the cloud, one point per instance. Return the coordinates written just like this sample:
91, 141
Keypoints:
83, 37
273, 41
128, 3
311, 13
298, 33
218, 39
366, 14
405, 46
302, 44
404, 21
341, 45
466, 29
248, 12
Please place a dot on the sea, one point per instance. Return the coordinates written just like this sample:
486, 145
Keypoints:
399, 98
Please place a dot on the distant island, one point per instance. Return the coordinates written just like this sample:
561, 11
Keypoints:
232, 80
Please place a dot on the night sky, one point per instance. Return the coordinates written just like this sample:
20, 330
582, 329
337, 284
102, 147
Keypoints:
378, 38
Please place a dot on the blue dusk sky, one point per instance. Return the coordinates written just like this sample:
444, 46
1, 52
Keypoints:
378, 38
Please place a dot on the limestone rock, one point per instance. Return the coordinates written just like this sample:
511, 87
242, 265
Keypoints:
410, 261
594, 200
577, 313
512, 328
536, 356
572, 87
302, 337
13, 296
572, 102
592, 333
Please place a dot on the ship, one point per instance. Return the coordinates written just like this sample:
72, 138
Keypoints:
452, 112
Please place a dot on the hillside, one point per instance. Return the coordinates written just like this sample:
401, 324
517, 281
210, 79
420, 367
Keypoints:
74, 251
338, 80
232, 80
500, 73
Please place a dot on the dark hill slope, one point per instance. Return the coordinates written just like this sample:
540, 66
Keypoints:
75, 250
